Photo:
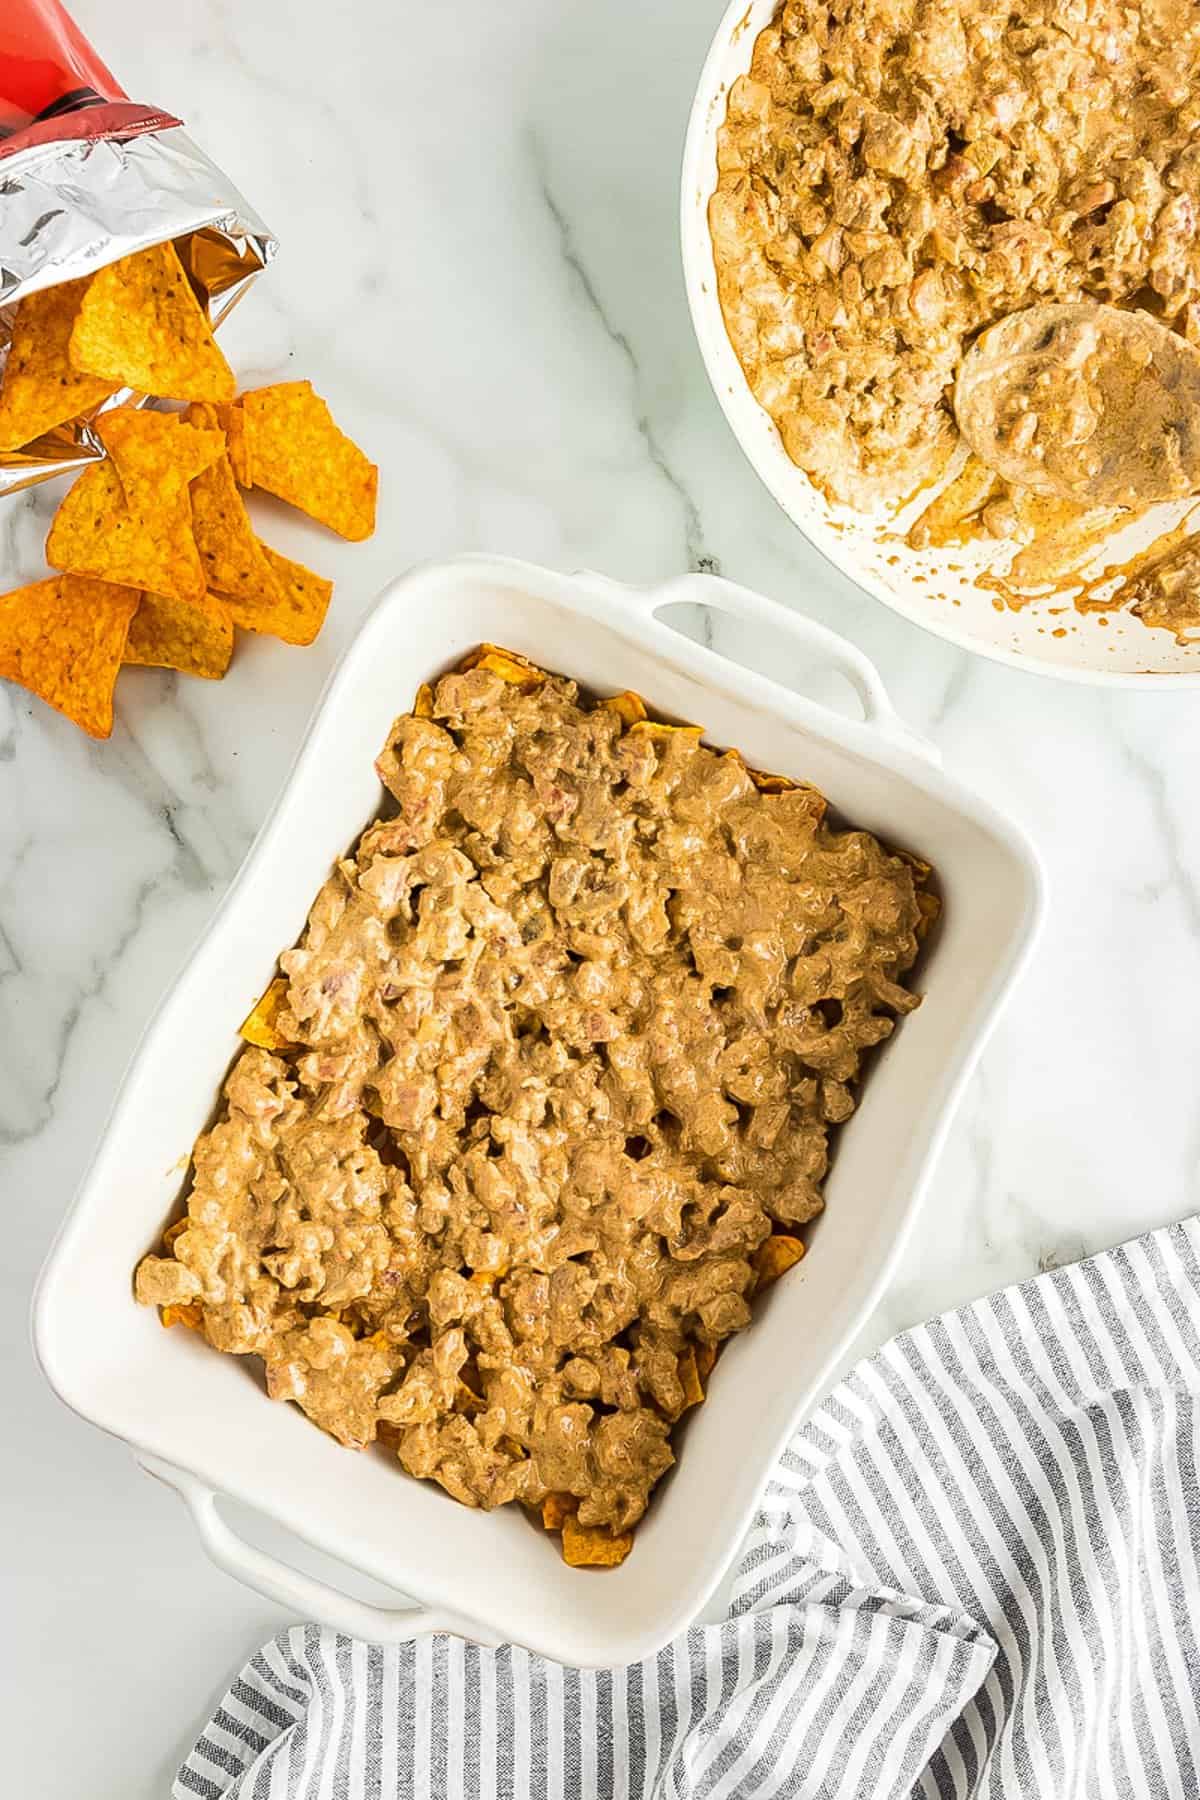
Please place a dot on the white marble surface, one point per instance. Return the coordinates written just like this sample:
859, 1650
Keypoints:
480, 270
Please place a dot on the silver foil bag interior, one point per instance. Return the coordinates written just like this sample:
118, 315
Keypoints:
68, 208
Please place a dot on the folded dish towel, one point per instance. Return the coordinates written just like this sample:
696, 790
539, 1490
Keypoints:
975, 1572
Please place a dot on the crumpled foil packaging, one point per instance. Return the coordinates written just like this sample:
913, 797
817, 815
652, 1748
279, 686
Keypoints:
88, 178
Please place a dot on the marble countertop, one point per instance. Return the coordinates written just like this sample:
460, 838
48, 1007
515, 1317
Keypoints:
477, 207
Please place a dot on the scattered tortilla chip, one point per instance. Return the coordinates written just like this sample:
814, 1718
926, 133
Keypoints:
929, 911
706, 1360
293, 609
629, 707
234, 563
588, 1547
295, 451
259, 1026
63, 639
96, 533
193, 636
689, 1377
423, 704
190, 1315
156, 455
140, 325
39, 388
774, 1257
557, 1509
175, 1231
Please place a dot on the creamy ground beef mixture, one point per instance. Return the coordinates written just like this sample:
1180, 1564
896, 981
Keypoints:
895, 175
567, 1036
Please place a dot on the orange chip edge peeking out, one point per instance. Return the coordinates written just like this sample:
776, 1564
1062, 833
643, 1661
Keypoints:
689, 1378
557, 1509
190, 1315
512, 668
629, 707
590, 1547
706, 1359
774, 1257
258, 1027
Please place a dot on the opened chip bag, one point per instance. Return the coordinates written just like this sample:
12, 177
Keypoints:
92, 177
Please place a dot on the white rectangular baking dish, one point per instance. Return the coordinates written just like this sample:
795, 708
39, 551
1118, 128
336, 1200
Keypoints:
200, 1420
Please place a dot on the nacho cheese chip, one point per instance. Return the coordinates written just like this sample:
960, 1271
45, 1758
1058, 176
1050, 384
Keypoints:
295, 451
259, 1026
293, 608
194, 636
588, 1547
232, 556
232, 421
190, 1315
140, 325
39, 388
62, 639
156, 454
689, 1378
96, 533
512, 668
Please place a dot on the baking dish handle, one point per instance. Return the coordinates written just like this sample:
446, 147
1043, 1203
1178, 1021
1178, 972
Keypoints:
826, 646
291, 1588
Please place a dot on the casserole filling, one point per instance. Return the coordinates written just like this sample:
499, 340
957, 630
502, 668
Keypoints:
543, 1095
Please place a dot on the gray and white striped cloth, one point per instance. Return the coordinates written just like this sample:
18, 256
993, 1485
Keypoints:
974, 1573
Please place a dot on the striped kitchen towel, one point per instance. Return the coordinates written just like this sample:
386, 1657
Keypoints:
975, 1572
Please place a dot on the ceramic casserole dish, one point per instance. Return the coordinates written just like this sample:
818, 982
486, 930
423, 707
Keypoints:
200, 1420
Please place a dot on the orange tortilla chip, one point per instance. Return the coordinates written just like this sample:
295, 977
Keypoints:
39, 388
689, 1377
557, 1509
63, 640
95, 532
423, 704
175, 1231
233, 559
771, 784
233, 424
629, 707
706, 1360
156, 454
292, 609
295, 451
259, 1026
190, 1315
654, 728
588, 1547
467, 1401
140, 325
194, 636
774, 1257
